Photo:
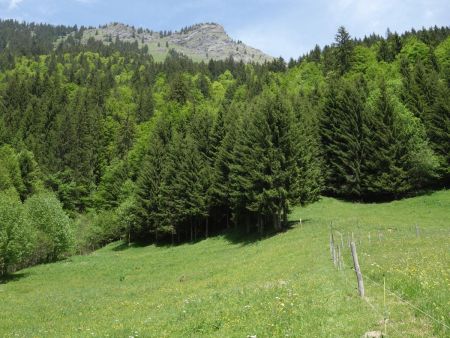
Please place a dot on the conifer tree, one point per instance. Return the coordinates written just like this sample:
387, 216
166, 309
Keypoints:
30, 174
148, 191
224, 135
438, 123
145, 105
344, 50
385, 172
342, 137
265, 174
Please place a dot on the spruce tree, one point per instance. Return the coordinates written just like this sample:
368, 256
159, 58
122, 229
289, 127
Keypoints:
343, 51
384, 171
225, 132
342, 137
149, 189
438, 130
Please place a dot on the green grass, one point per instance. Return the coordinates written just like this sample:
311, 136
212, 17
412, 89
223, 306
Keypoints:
282, 286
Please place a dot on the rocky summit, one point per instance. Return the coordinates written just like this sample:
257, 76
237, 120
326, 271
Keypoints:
200, 42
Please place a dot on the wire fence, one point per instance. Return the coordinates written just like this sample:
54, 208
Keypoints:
405, 302
339, 262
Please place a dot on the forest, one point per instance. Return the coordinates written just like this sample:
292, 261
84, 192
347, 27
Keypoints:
98, 142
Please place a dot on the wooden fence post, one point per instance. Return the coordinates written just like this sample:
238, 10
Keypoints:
339, 258
334, 256
331, 246
357, 269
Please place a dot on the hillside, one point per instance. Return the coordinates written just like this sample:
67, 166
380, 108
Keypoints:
281, 286
199, 42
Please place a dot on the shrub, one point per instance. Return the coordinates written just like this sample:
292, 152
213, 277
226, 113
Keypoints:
17, 237
97, 229
53, 226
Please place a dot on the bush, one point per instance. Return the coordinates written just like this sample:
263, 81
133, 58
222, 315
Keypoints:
54, 229
17, 237
95, 230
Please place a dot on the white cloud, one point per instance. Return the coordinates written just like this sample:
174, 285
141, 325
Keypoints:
13, 4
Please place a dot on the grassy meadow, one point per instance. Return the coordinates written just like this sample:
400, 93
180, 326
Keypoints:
284, 285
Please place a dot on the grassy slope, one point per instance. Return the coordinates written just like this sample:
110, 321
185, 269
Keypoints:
158, 53
282, 286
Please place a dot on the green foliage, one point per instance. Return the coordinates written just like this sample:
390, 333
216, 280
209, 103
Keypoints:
30, 174
175, 150
269, 163
112, 189
443, 56
385, 167
54, 228
343, 51
414, 50
363, 59
96, 229
439, 131
17, 238
149, 188
10, 173
343, 134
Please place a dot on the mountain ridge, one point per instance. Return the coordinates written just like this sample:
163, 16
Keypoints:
201, 42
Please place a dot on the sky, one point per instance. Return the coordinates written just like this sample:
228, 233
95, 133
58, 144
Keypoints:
287, 28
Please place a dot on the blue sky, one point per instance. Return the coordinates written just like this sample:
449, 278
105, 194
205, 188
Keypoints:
279, 27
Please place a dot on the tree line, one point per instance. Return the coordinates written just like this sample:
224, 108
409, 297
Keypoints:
110, 144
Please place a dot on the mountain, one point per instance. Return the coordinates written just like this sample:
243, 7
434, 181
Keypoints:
200, 42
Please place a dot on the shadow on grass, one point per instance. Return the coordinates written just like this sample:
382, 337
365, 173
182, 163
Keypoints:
387, 198
239, 236
121, 246
13, 277
234, 236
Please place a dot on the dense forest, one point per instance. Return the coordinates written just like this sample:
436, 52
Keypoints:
99, 142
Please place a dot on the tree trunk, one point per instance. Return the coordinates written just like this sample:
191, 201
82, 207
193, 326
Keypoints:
276, 221
285, 216
195, 233
207, 227
192, 232
260, 224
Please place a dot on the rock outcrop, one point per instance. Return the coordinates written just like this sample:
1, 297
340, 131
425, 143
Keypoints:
200, 42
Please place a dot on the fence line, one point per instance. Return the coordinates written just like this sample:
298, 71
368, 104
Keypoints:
377, 312
404, 301
409, 303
